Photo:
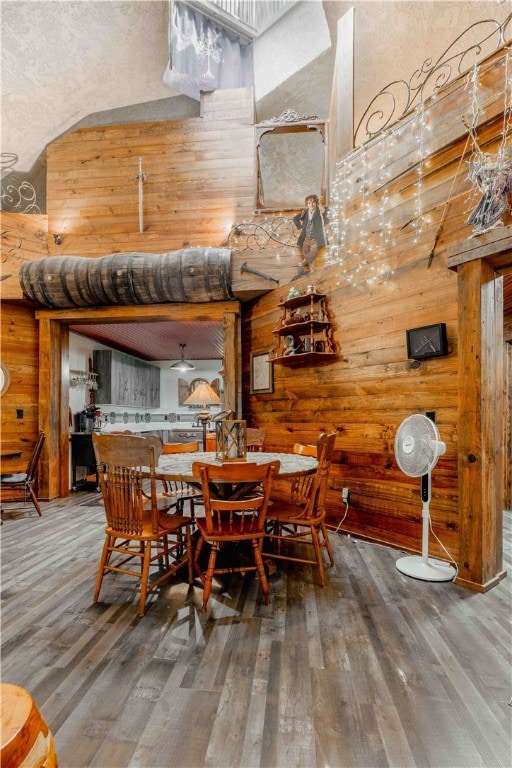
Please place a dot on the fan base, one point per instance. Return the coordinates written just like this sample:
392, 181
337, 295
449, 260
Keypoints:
431, 570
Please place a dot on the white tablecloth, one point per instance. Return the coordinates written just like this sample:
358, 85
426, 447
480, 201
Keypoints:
178, 466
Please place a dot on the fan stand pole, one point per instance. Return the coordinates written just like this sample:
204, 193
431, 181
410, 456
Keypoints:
425, 568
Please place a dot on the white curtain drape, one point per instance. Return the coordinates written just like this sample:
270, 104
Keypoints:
203, 56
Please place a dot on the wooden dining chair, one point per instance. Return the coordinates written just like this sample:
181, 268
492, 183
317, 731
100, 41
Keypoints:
139, 535
233, 520
256, 439
178, 490
301, 521
297, 489
24, 481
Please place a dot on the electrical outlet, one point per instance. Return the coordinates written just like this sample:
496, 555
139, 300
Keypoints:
345, 493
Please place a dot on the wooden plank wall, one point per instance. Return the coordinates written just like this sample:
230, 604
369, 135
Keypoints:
23, 239
200, 181
20, 354
372, 386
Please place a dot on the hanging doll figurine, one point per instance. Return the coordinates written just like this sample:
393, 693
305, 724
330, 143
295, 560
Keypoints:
312, 238
493, 176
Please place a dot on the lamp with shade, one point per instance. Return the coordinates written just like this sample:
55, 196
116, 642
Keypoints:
203, 395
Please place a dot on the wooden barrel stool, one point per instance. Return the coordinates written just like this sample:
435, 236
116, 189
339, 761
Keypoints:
26, 740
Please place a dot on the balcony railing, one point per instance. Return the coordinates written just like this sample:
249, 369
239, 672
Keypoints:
247, 17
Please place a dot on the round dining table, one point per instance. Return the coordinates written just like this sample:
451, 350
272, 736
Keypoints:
178, 466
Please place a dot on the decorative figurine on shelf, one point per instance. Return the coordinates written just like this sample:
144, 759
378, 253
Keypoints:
293, 293
311, 222
290, 347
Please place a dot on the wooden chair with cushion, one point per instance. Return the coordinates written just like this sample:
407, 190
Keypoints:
240, 518
255, 439
24, 481
137, 529
301, 521
181, 491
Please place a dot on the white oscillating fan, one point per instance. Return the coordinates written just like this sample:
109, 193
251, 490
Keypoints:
417, 448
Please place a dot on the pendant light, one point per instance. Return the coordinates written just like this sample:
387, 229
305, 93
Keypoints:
182, 365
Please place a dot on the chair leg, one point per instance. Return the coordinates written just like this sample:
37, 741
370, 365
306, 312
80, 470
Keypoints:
188, 547
165, 542
197, 552
318, 555
209, 575
101, 570
327, 543
144, 578
35, 501
261, 570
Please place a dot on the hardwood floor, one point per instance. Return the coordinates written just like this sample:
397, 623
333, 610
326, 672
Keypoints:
375, 670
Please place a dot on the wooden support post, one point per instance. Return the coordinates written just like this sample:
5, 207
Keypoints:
53, 476
481, 469
231, 366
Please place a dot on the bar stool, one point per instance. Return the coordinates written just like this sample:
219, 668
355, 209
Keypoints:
26, 739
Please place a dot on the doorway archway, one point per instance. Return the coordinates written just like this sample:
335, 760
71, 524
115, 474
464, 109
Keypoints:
54, 361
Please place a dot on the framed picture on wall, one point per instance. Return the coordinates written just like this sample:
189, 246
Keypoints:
262, 373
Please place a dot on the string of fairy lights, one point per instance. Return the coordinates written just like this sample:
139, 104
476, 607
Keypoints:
363, 234
363, 230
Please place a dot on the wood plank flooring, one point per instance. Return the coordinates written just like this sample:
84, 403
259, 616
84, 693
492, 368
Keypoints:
375, 670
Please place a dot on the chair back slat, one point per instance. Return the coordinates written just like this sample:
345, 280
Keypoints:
325, 445
36, 455
123, 450
179, 489
123, 461
180, 448
255, 438
304, 450
311, 490
244, 512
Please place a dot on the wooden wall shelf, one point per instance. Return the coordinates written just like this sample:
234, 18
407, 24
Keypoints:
304, 328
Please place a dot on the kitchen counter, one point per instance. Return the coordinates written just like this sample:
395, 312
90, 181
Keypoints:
169, 431
146, 426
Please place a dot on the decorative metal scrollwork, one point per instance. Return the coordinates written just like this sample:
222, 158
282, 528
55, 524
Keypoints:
19, 196
396, 99
290, 116
254, 236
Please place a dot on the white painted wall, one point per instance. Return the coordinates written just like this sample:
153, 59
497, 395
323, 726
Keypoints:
289, 45
64, 60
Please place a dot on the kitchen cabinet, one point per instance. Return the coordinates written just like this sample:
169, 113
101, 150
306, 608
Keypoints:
304, 333
125, 380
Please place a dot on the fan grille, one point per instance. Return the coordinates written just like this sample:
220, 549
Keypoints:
417, 445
